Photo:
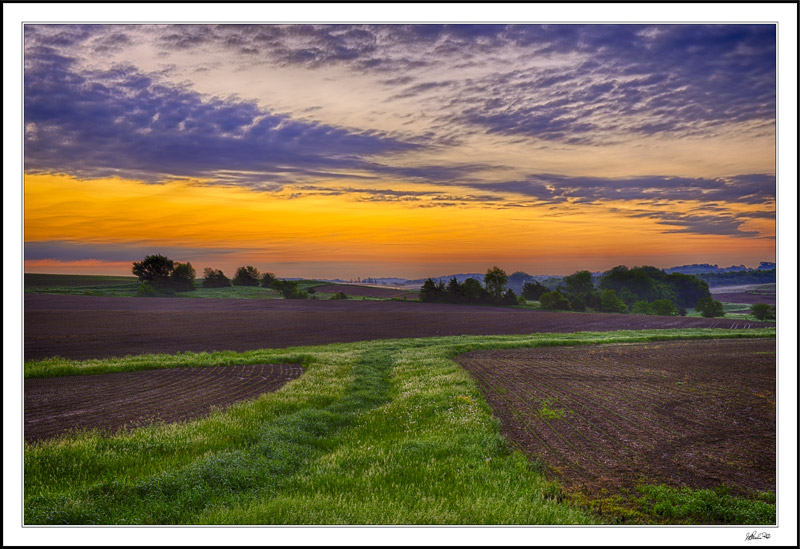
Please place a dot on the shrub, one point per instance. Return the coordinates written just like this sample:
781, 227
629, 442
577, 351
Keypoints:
577, 304
267, 280
553, 300
509, 297
664, 307
246, 276
641, 307
339, 295
145, 289
710, 308
762, 311
215, 278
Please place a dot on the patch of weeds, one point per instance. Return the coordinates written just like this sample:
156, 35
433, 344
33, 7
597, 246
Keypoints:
688, 506
547, 409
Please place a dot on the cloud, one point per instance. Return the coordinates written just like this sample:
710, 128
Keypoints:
746, 189
59, 250
124, 122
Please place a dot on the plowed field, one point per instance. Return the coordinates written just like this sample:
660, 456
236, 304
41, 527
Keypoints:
82, 327
367, 291
113, 401
605, 417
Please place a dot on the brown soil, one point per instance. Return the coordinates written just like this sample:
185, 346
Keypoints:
82, 327
697, 414
744, 297
113, 401
367, 291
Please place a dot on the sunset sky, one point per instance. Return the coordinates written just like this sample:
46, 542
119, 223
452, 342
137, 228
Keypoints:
399, 150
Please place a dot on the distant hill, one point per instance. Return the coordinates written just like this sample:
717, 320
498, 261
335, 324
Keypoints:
713, 274
700, 268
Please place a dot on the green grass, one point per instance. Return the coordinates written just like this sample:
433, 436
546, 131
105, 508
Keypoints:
382, 432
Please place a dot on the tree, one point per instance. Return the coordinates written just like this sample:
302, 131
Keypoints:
164, 275
610, 303
762, 311
533, 290
664, 307
429, 291
454, 291
579, 284
154, 269
246, 276
710, 308
290, 289
182, 277
641, 307
576, 303
215, 278
473, 291
509, 297
495, 282
688, 289
267, 280
553, 300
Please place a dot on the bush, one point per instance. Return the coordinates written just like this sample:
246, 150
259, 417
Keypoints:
246, 276
641, 307
289, 289
553, 300
145, 289
664, 307
577, 304
215, 278
509, 298
339, 295
762, 311
710, 308
267, 280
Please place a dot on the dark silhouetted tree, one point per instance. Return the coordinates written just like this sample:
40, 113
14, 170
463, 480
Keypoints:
710, 308
154, 269
215, 278
181, 279
495, 282
553, 300
267, 279
246, 276
533, 290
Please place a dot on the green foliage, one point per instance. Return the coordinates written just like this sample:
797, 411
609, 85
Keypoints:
554, 300
762, 311
215, 278
610, 303
145, 290
429, 292
509, 298
246, 276
641, 307
289, 289
664, 307
473, 291
688, 289
339, 295
717, 506
495, 281
533, 290
710, 308
579, 284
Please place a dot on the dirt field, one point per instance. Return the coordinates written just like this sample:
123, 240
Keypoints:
603, 418
113, 401
367, 291
82, 327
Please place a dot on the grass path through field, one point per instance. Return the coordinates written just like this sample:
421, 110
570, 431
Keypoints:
382, 432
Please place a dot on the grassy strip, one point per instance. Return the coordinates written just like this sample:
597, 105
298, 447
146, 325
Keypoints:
383, 432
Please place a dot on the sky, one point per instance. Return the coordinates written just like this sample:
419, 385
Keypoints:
410, 150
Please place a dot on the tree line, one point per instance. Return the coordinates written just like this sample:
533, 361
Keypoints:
160, 275
639, 290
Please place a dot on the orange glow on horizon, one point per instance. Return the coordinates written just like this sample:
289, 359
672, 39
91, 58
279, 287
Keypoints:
263, 228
